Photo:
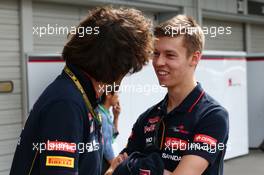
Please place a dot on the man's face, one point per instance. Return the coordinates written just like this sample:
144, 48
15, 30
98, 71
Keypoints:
170, 61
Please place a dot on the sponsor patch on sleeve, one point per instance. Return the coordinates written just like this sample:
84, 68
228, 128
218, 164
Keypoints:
205, 139
60, 161
61, 146
175, 143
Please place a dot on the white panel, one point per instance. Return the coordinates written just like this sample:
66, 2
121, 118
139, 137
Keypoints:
5, 163
36, 72
226, 42
10, 101
257, 38
215, 76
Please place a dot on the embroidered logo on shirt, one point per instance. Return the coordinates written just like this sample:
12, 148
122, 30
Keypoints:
144, 172
149, 128
154, 120
179, 129
60, 161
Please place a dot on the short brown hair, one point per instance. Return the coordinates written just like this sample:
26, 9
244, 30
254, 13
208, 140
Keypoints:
185, 26
123, 44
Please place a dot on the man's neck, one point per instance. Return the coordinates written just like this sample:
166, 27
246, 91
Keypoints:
97, 87
178, 93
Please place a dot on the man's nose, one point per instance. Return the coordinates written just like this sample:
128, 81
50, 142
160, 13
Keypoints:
160, 60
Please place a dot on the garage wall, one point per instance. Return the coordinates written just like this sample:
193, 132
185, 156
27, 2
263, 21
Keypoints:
232, 42
10, 104
229, 6
257, 38
45, 14
170, 2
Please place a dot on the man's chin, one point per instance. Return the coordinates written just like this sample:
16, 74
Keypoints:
163, 84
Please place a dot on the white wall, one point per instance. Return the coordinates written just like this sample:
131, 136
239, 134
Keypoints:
215, 74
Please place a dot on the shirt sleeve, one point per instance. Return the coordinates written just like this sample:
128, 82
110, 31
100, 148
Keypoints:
210, 136
60, 133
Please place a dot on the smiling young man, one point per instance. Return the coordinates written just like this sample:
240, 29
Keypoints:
188, 128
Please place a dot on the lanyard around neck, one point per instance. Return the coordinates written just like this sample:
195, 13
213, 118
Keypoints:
84, 95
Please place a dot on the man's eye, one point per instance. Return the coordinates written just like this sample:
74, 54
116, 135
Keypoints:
156, 54
171, 56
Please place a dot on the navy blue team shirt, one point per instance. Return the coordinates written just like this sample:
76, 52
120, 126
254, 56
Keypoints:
60, 135
198, 126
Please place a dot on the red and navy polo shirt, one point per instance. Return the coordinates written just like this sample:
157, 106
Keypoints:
198, 126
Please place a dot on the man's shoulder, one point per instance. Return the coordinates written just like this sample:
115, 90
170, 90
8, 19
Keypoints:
210, 107
61, 89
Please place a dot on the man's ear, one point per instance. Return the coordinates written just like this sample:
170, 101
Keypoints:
195, 58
